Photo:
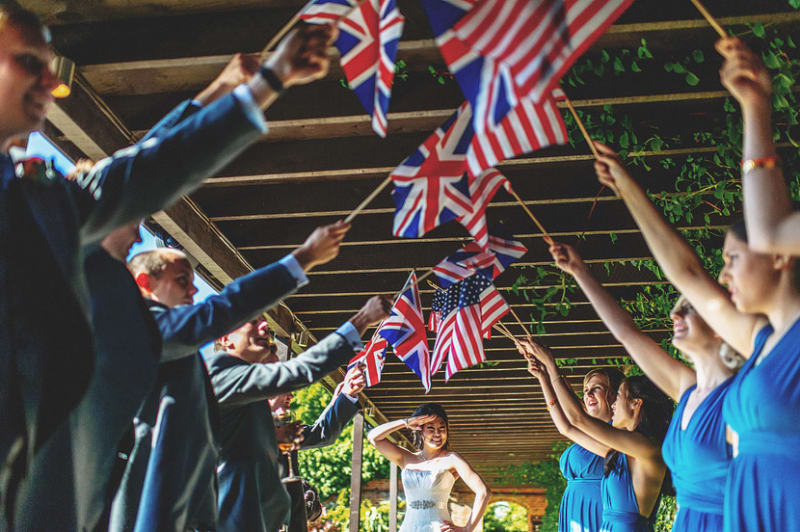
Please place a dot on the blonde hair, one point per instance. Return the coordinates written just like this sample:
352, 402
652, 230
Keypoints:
155, 261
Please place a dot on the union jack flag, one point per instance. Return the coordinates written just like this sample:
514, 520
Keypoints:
536, 41
481, 190
367, 42
405, 331
505, 126
431, 186
467, 313
501, 253
373, 356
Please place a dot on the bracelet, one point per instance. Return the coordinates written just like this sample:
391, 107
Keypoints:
759, 162
271, 78
551, 403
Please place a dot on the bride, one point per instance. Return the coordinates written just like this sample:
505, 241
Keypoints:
429, 474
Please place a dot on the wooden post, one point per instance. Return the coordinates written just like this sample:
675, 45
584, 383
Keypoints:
355, 476
393, 497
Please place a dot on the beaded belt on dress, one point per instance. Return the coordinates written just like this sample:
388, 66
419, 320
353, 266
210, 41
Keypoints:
425, 505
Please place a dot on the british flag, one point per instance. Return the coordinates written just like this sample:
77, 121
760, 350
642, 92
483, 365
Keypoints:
373, 356
501, 253
369, 32
429, 190
505, 126
431, 186
404, 329
466, 314
536, 41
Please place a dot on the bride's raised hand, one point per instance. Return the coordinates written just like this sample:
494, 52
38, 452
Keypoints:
415, 423
448, 526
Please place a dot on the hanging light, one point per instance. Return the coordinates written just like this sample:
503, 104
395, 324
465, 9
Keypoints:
64, 69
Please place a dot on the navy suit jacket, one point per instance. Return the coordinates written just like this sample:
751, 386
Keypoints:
170, 481
44, 222
251, 495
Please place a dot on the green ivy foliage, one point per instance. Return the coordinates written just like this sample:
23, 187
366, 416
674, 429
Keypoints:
505, 517
328, 468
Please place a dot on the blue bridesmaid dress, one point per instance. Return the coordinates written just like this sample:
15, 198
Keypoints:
698, 458
620, 508
762, 492
581, 506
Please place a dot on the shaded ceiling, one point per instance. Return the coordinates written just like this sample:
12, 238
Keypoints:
320, 158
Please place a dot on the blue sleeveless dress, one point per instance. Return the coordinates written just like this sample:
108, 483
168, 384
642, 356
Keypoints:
620, 508
762, 492
698, 458
581, 506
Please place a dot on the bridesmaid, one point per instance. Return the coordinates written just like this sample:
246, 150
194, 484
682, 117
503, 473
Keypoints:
581, 508
759, 317
633, 469
694, 449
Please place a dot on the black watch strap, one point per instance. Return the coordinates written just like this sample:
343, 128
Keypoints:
271, 78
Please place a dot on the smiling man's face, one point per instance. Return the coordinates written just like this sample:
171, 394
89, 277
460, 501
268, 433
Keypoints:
26, 81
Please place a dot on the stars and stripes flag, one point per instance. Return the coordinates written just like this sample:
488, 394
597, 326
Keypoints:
505, 126
466, 313
373, 356
536, 41
368, 36
501, 253
404, 330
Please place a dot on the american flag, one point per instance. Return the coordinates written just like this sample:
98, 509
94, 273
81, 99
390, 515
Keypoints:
505, 125
405, 331
468, 310
373, 356
367, 42
536, 41
472, 258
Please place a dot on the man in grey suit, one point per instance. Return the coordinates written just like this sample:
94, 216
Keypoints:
251, 495
170, 481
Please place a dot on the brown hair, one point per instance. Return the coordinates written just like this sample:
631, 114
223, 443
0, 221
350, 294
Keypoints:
154, 261
24, 20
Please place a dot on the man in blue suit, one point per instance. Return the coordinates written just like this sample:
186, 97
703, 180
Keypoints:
170, 481
44, 221
244, 377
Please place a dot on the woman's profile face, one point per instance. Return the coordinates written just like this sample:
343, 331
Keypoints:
689, 330
625, 409
750, 277
597, 397
434, 433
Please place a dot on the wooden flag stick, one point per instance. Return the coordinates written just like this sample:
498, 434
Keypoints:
519, 321
292, 21
503, 331
711, 20
419, 279
581, 126
545, 234
368, 200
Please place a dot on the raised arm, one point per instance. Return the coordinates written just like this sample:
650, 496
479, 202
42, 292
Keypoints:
394, 453
482, 493
676, 258
565, 428
672, 376
624, 441
772, 225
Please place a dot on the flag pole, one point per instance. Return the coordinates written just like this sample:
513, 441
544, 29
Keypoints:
711, 20
500, 326
581, 126
420, 278
292, 21
545, 234
368, 200
519, 321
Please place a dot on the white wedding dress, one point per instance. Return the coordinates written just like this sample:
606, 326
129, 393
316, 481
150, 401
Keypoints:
426, 499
